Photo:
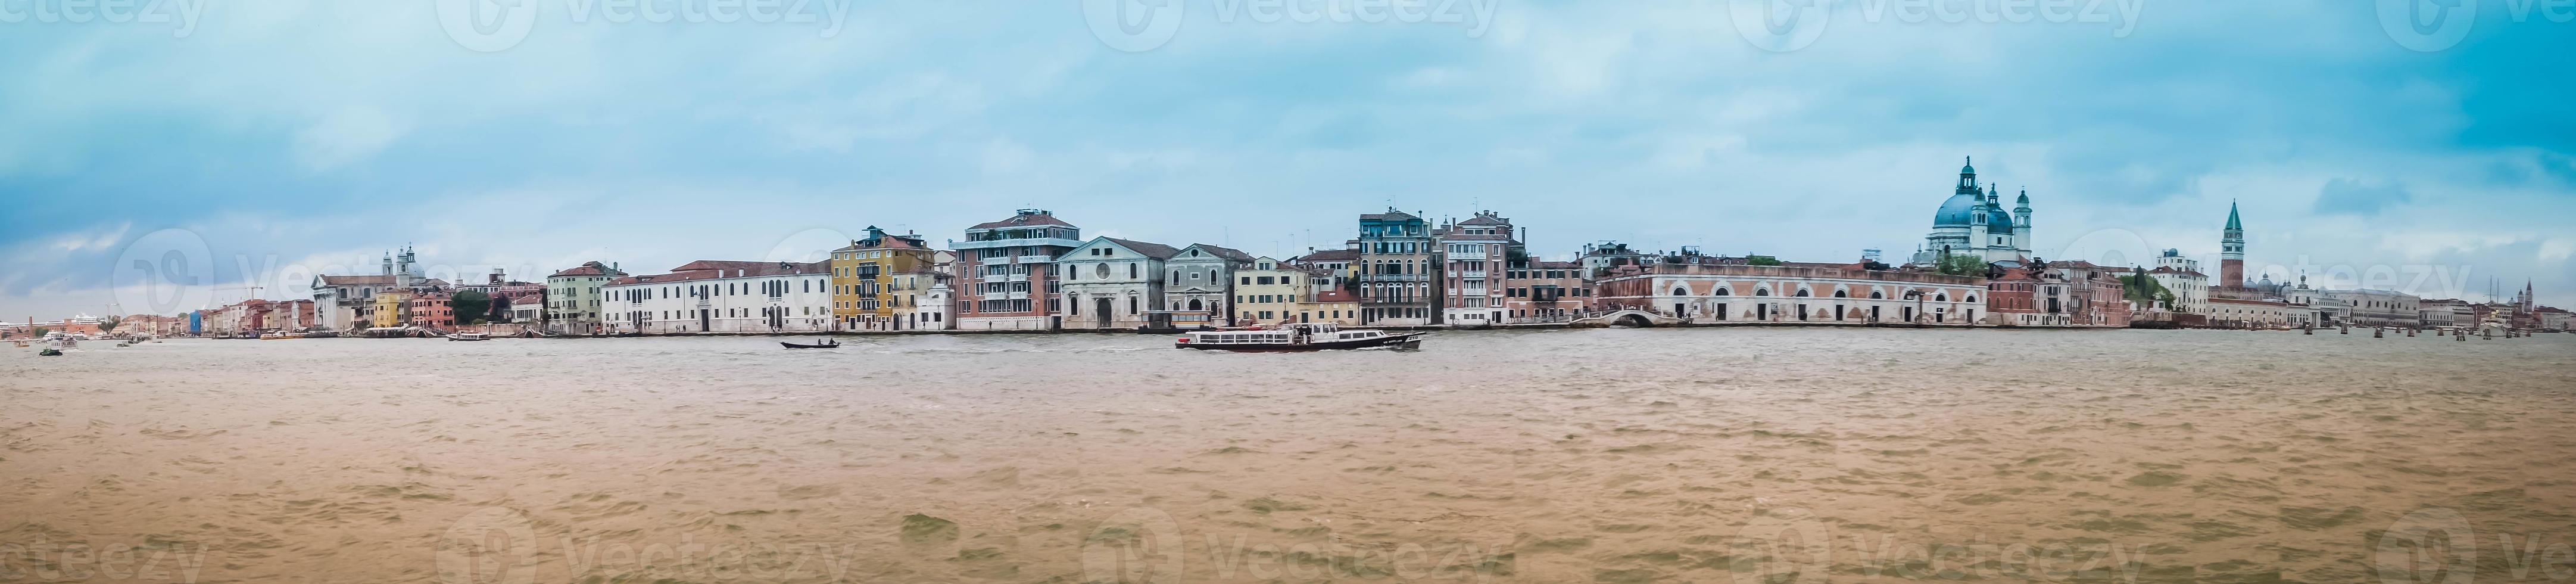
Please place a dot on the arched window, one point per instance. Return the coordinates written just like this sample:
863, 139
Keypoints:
1877, 295
1761, 291
1802, 293
1680, 291
1721, 291
1840, 293
1131, 270
1940, 298
1972, 298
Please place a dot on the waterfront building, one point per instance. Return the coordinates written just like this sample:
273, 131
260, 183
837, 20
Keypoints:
1397, 270
878, 282
2232, 312
1114, 284
1974, 222
430, 309
1475, 255
572, 304
1715, 292
1598, 258
1537, 292
1201, 280
2379, 308
2554, 319
388, 308
2097, 298
2446, 313
1273, 292
2181, 276
348, 302
708, 296
2028, 296
1007, 277
1336, 264
938, 301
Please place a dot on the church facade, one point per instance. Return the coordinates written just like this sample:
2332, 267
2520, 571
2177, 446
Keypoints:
1973, 221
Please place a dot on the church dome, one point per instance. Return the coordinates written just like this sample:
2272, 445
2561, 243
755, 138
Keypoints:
1998, 221
1960, 211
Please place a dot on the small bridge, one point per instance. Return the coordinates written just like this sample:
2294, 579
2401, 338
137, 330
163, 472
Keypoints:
1636, 318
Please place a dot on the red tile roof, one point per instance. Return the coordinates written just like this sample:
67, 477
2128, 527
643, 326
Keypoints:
729, 269
586, 269
1328, 255
1150, 249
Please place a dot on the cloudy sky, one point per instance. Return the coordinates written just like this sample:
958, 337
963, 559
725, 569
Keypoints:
182, 155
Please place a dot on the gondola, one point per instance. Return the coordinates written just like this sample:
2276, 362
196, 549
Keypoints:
823, 345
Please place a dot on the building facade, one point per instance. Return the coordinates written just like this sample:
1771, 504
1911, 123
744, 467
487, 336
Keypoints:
348, 302
1819, 294
1537, 292
2181, 277
1397, 269
722, 297
1113, 284
2380, 308
2226, 312
878, 282
1475, 257
1006, 273
572, 305
1201, 279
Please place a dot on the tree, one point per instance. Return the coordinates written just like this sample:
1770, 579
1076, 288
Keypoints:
1761, 260
1960, 264
39, 332
106, 325
469, 305
501, 309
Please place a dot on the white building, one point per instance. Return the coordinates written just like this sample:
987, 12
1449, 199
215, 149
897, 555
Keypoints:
1819, 294
1475, 255
1974, 222
2378, 308
2182, 277
1111, 283
722, 297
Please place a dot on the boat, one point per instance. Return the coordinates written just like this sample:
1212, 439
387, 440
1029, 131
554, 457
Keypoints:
50, 352
280, 335
468, 337
1312, 336
826, 344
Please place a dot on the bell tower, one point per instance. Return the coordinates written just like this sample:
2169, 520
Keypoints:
2231, 251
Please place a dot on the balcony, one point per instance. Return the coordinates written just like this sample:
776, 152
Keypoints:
1043, 241
1472, 275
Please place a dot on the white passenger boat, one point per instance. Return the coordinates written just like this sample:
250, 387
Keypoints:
1297, 337
469, 337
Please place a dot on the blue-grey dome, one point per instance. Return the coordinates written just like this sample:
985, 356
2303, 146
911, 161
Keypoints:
1960, 211
1998, 221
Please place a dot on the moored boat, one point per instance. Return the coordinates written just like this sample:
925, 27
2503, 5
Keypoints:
1298, 337
826, 344
469, 337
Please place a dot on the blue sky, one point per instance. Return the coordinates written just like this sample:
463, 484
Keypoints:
296, 137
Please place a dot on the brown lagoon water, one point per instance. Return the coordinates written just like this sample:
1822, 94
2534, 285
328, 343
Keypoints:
1556, 456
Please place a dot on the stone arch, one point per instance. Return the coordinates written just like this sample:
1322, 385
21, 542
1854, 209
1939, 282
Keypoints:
1634, 320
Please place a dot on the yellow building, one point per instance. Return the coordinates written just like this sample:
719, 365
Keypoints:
878, 283
389, 307
1273, 293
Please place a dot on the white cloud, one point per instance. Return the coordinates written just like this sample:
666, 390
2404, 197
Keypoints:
345, 136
